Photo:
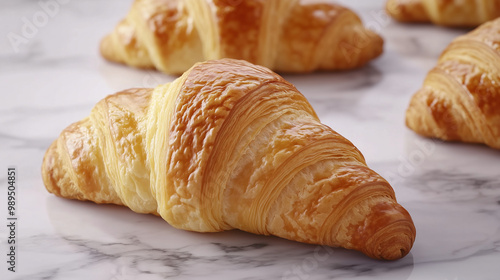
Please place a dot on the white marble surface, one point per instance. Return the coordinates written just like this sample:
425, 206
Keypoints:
451, 190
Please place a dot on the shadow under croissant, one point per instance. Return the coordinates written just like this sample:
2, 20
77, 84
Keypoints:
111, 233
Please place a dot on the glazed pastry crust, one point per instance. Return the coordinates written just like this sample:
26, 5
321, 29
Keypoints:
286, 36
461, 13
229, 145
460, 98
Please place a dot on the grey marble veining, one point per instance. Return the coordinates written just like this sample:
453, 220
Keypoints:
54, 78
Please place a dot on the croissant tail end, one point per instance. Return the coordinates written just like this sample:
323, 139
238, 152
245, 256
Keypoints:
392, 243
388, 233
48, 170
107, 49
410, 118
378, 45
56, 176
419, 116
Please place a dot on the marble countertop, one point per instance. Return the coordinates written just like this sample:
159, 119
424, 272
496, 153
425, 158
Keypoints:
53, 76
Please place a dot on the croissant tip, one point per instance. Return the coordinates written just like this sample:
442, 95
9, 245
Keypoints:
392, 243
106, 48
48, 167
395, 248
388, 233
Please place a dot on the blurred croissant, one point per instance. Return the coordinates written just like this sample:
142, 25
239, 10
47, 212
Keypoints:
461, 13
287, 36
460, 98
229, 145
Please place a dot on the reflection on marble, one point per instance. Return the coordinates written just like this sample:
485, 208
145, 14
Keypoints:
452, 190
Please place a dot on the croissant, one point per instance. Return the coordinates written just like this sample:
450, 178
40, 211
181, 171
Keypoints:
460, 98
286, 36
229, 145
462, 13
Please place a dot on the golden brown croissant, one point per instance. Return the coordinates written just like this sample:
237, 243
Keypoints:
288, 36
445, 12
460, 98
229, 145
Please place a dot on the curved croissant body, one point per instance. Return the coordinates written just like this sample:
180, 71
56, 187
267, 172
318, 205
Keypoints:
460, 98
229, 145
445, 12
288, 36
